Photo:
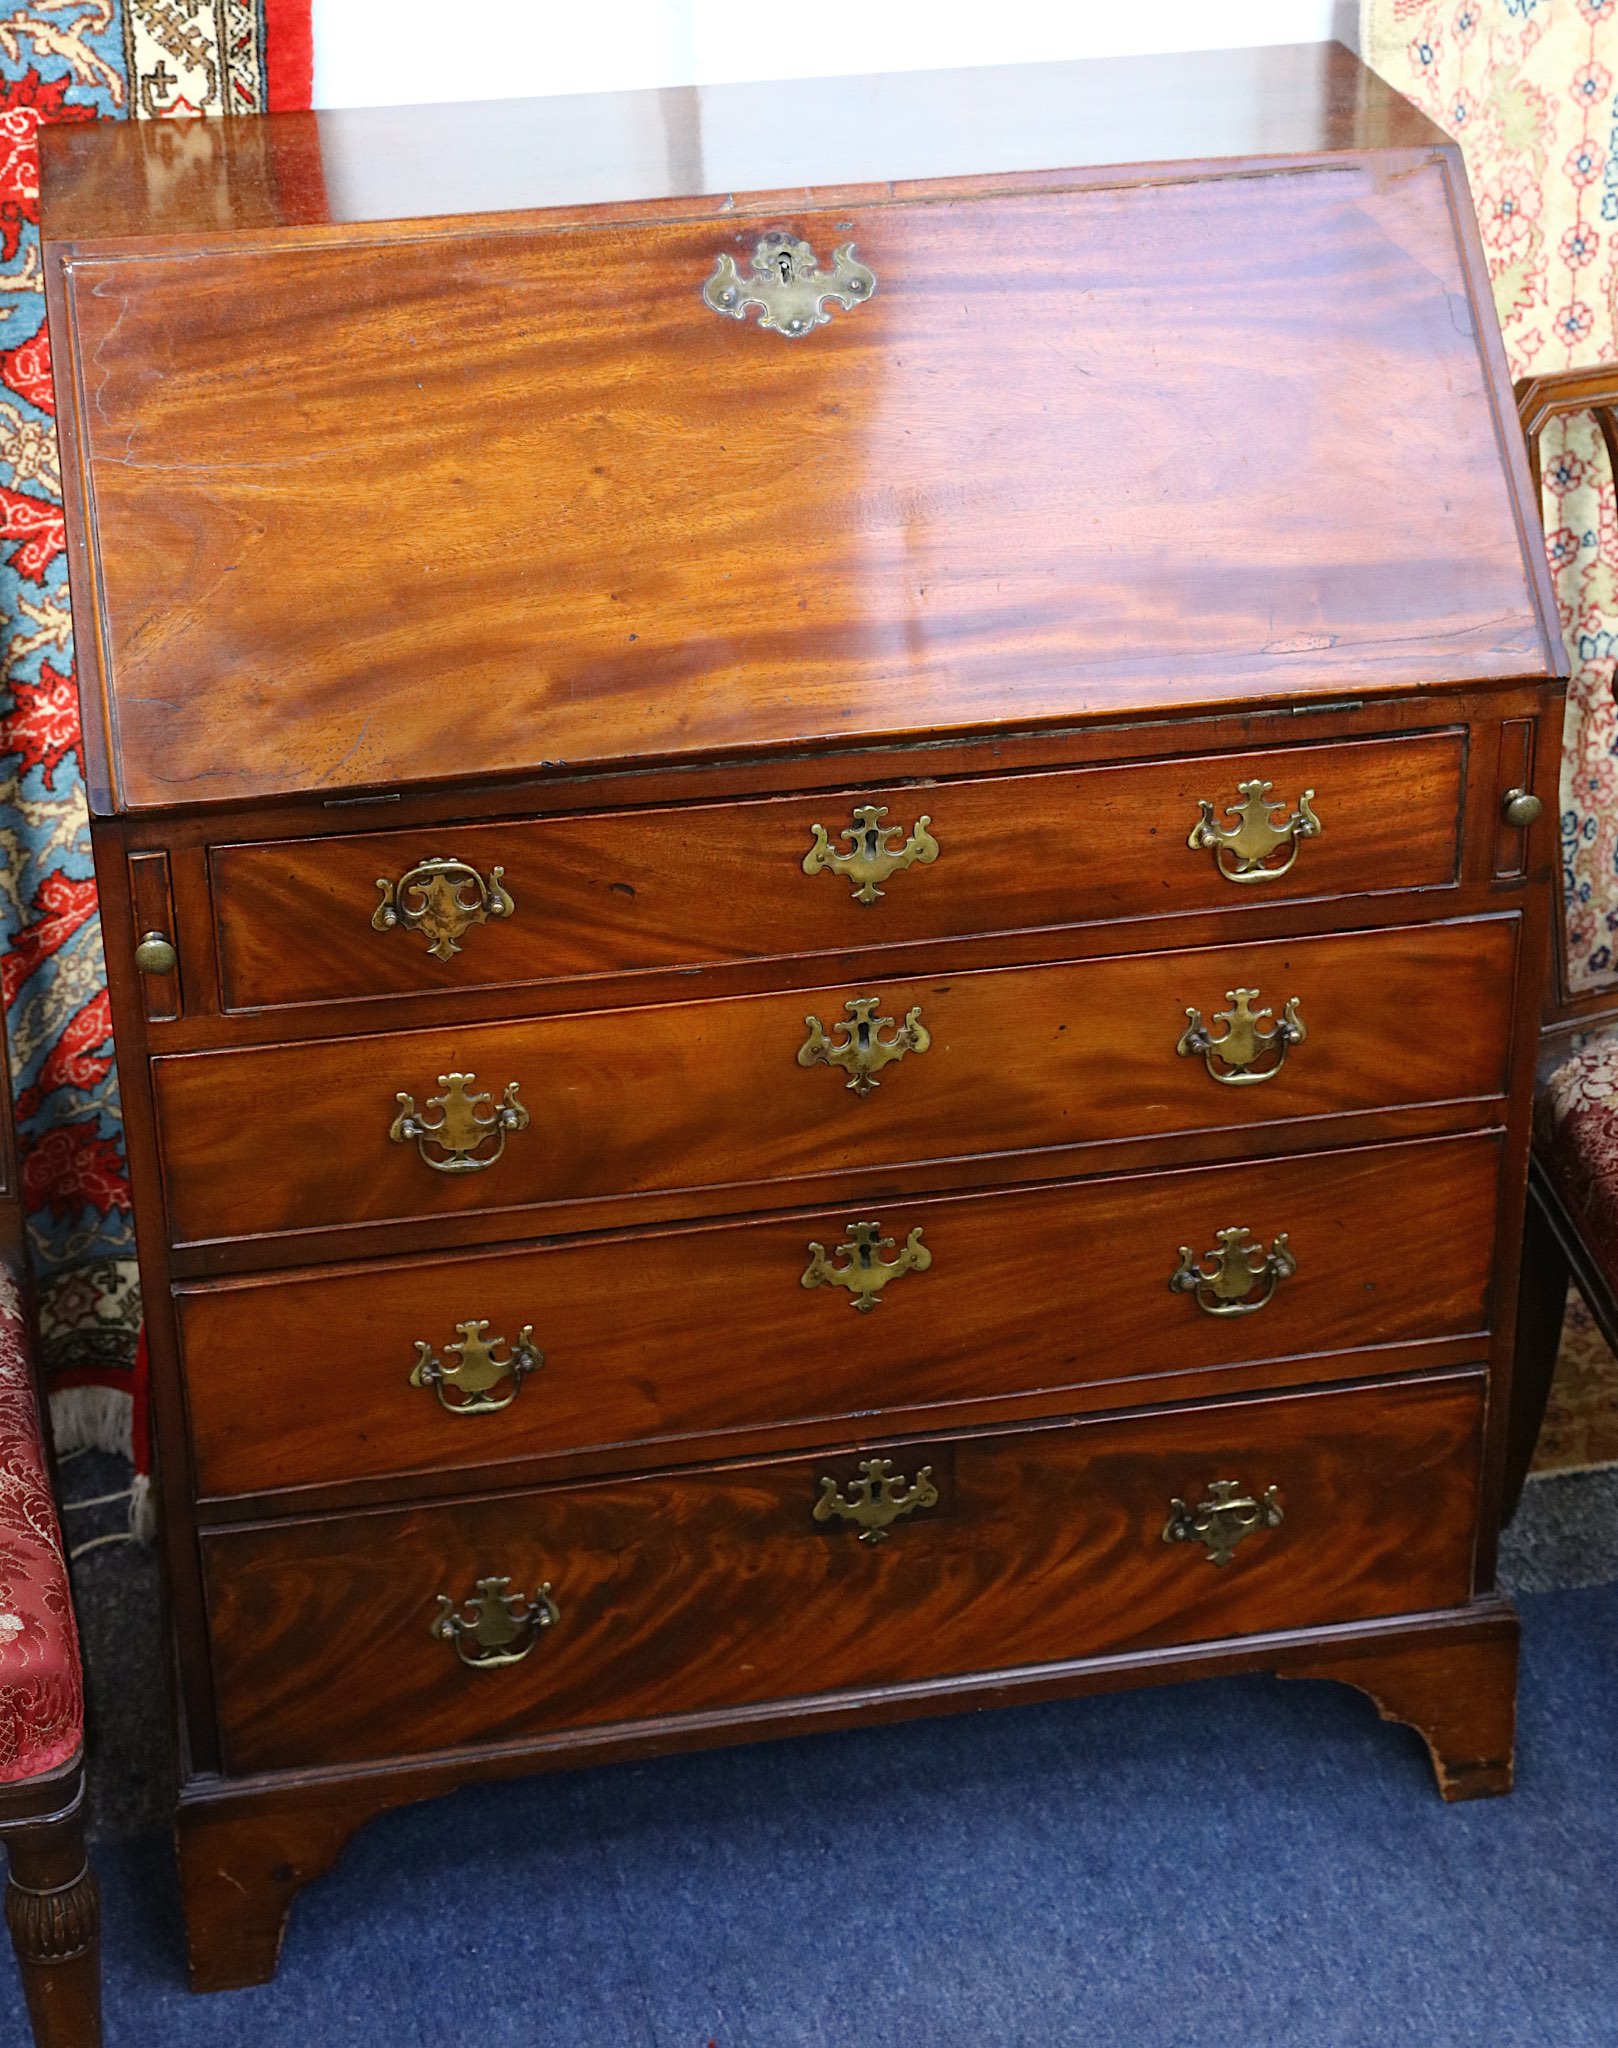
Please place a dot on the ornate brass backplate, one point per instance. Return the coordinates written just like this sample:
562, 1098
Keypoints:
444, 899
1245, 1052
872, 857
785, 281
864, 1052
478, 1369
1240, 1275
1251, 849
876, 1499
1222, 1521
495, 1627
866, 1272
462, 1131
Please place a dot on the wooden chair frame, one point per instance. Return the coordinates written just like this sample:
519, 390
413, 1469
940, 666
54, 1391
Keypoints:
1554, 1251
52, 1900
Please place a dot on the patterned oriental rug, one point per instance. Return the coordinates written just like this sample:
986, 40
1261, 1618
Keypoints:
80, 60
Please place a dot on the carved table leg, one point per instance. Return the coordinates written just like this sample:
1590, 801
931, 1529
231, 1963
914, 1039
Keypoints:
53, 1909
245, 1857
1453, 1681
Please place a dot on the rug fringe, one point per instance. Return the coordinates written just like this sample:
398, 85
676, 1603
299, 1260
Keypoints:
142, 1509
102, 1419
93, 1419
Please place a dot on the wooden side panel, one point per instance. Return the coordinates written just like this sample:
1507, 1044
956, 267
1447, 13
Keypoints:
682, 1333
701, 884
1022, 1061
544, 507
714, 1590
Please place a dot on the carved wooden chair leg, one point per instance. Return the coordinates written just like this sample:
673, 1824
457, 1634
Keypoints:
53, 1909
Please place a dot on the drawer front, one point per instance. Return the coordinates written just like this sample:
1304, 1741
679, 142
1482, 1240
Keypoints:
695, 1333
560, 899
692, 1593
714, 1095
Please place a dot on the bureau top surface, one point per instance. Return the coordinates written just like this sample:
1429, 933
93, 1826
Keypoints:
403, 446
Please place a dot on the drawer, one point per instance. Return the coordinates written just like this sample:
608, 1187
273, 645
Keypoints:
702, 884
675, 1099
716, 1589
699, 1333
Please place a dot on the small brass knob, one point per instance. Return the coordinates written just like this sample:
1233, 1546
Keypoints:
1521, 808
155, 954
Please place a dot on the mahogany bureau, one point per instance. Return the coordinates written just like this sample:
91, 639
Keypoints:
819, 821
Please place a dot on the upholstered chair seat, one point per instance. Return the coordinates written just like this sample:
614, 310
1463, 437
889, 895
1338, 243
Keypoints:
1576, 1139
41, 1691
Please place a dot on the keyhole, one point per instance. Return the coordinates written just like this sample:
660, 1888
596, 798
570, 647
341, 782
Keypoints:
783, 263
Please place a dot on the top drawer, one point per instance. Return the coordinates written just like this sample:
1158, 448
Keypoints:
566, 898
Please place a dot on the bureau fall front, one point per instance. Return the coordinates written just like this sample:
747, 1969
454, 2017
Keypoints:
824, 860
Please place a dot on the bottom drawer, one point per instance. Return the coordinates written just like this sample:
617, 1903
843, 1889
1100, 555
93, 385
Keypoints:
716, 1588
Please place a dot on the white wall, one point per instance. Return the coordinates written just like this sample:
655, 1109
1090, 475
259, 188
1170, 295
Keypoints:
401, 52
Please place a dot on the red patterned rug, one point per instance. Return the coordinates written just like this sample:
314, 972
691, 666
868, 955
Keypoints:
80, 60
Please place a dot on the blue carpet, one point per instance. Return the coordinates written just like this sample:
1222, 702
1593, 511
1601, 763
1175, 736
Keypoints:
1242, 1861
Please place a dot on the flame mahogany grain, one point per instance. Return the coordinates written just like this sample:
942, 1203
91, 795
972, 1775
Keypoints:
705, 1102
418, 506
712, 1589
701, 885
677, 1334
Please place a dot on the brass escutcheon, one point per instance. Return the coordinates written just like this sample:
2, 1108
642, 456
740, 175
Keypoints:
866, 1272
788, 285
460, 1131
871, 856
876, 1499
1247, 850
443, 899
494, 1627
1244, 1053
1221, 1522
478, 1369
1237, 1269
864, 1052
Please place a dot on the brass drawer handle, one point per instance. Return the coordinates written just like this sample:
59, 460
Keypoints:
864, 1052
866, 1272
787, 283
460, 1132
494, 1627
1247, 850
1237, 1268
478, 1369
876, 1499
1244, 1053
1221, 1522
871, 857
444, 899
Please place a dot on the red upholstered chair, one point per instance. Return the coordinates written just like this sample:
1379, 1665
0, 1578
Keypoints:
1572, 1226
52, 1903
